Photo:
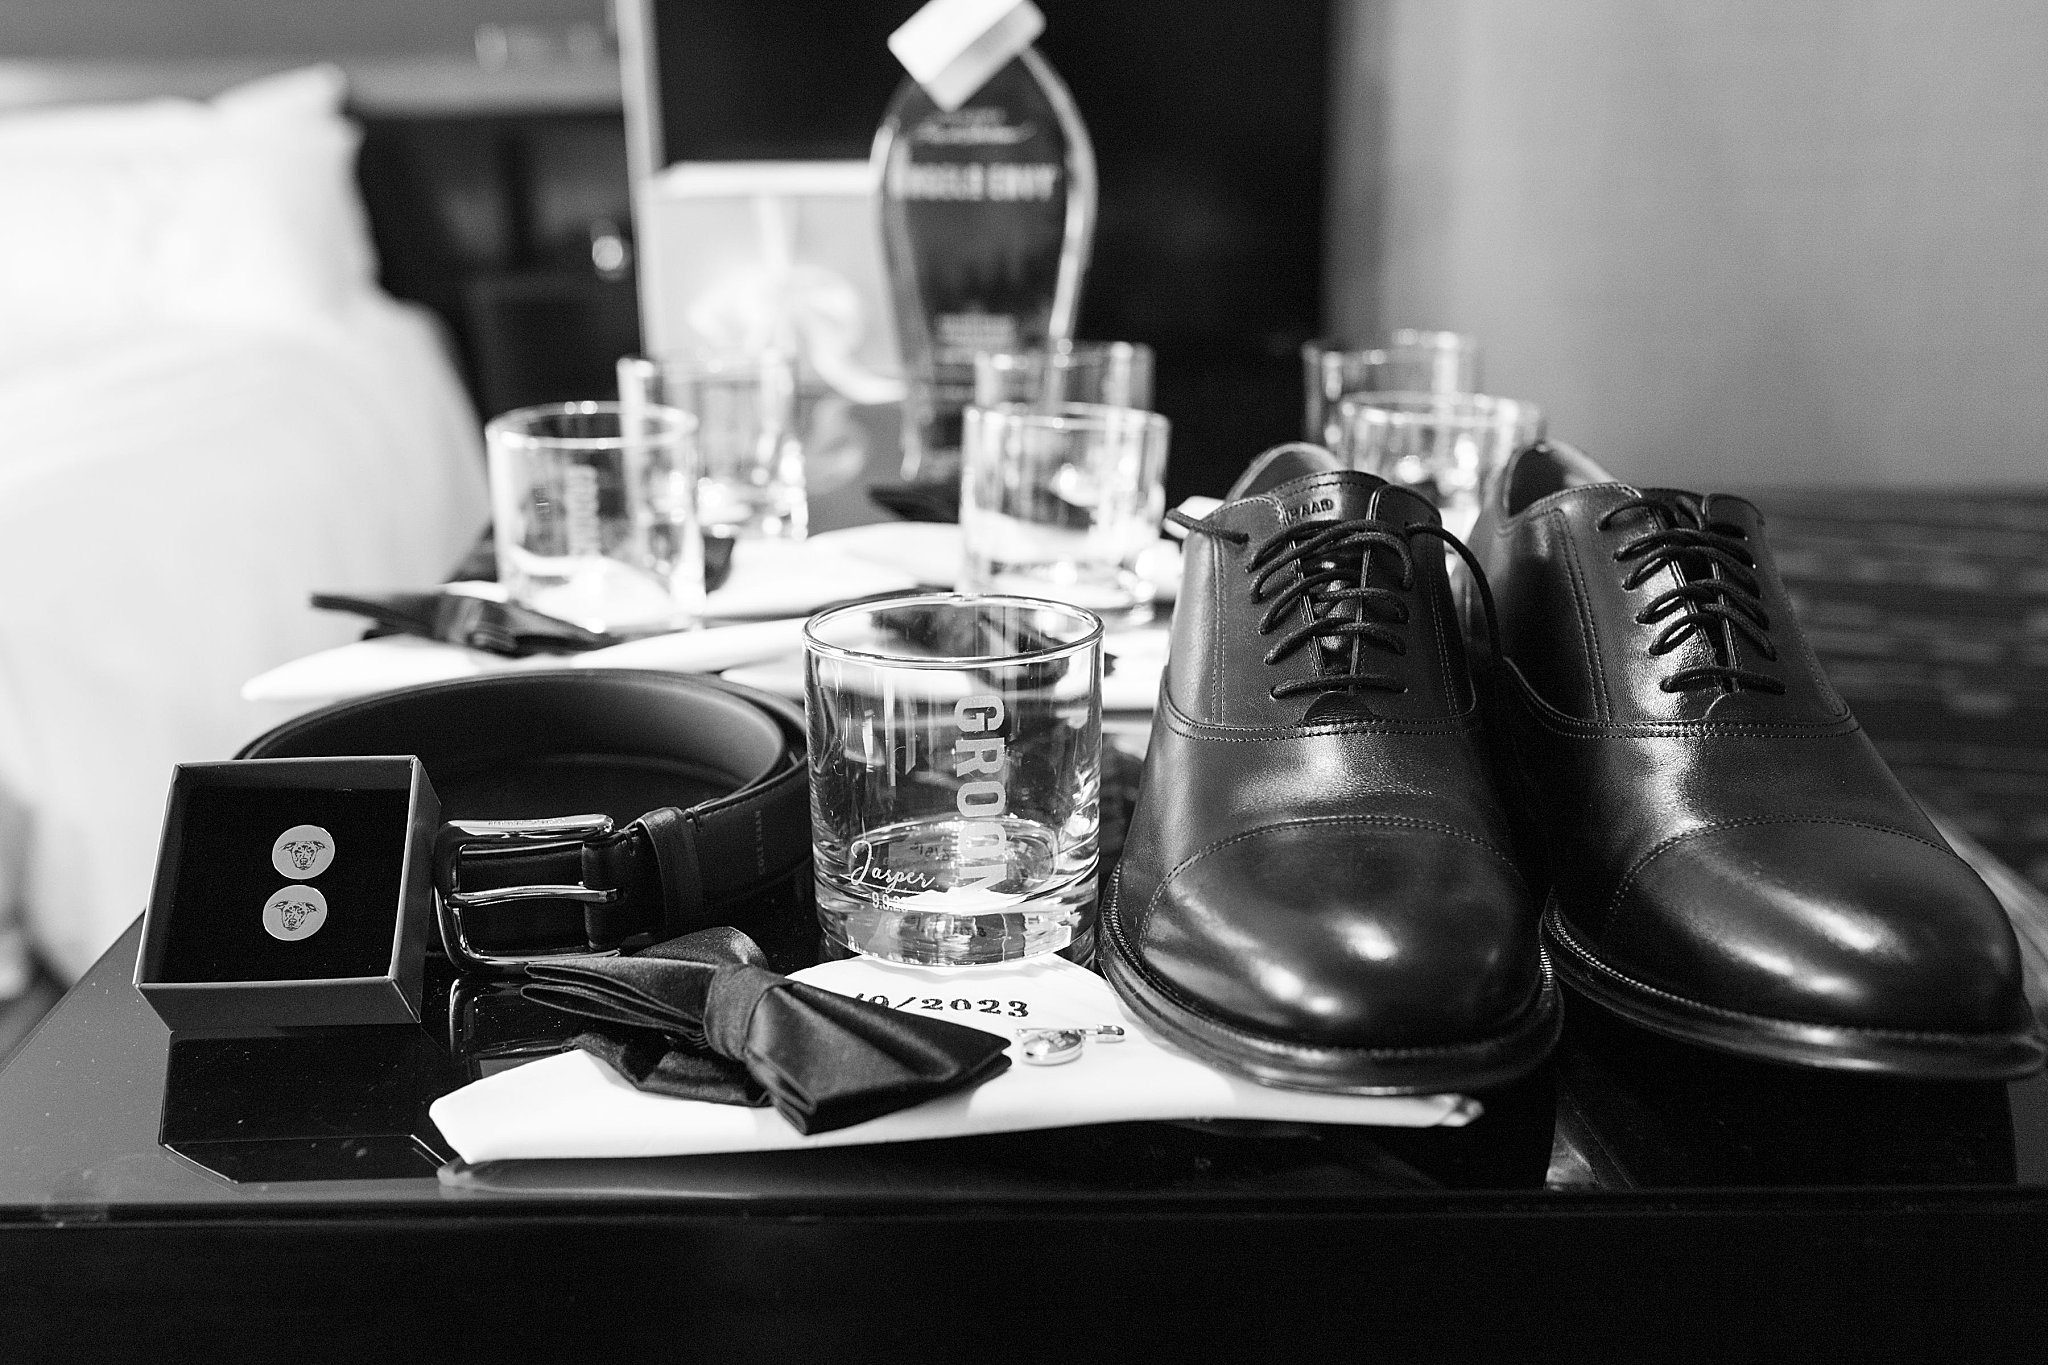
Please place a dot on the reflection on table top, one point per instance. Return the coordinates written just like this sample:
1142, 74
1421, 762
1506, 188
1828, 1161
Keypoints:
338, 1116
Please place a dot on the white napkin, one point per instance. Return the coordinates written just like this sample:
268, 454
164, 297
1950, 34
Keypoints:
370, 666
404, 660
796, 577
573, 1105
711, 650
928, 551
781, 580
777, 579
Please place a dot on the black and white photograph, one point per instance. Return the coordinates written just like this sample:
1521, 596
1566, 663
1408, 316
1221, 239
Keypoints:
1042, 680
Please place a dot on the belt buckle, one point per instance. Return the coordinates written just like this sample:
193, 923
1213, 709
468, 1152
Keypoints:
450, 900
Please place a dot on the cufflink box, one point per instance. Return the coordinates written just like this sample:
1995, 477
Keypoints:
291, 893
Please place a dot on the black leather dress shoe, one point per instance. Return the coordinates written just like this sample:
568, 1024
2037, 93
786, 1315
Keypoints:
1317, 889
1730, 861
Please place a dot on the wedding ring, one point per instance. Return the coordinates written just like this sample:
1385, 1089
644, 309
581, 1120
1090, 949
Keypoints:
302, 851
1054, 1046
1050, 1046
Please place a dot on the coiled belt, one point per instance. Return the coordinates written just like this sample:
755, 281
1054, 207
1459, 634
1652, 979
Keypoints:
695, 789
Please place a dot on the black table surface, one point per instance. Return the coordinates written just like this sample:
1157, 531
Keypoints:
1635, 1193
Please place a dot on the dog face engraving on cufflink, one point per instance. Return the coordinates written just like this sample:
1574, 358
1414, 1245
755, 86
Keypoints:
302, 851
294, 913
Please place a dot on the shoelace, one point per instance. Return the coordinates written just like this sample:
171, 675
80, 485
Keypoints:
1330, 562
1720, 600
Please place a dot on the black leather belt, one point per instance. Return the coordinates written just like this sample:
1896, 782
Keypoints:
514, 891
728, 759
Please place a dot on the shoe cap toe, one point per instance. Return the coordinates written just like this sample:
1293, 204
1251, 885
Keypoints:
1348, 932
1821, 922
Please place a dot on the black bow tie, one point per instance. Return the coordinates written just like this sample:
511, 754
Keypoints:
701, 1017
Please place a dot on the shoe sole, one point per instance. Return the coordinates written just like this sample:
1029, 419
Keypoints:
1888, 1052
1274, 1061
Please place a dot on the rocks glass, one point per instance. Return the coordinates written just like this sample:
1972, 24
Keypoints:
955, 763
1116, 374
594, 511
1445, 445
753, 414
1061, 501
1409, 361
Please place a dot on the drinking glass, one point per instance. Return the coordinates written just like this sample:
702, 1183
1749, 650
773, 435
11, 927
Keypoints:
1060, 502
765, 430
955, 765
1410, 361
1116, 374
595, 514
1446, 445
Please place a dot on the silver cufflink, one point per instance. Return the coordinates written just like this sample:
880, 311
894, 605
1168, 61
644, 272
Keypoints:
302, 852
295, 912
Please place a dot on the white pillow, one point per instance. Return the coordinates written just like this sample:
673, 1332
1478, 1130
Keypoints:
241, 209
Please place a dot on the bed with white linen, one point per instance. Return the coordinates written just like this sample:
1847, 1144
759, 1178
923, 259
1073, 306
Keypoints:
207, 411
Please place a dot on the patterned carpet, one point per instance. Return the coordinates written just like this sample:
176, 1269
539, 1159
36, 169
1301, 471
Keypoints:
1930, 612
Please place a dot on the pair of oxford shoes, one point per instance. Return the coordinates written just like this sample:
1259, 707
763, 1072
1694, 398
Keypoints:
1366, 847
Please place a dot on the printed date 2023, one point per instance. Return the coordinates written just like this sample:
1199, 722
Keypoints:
1008, 1009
